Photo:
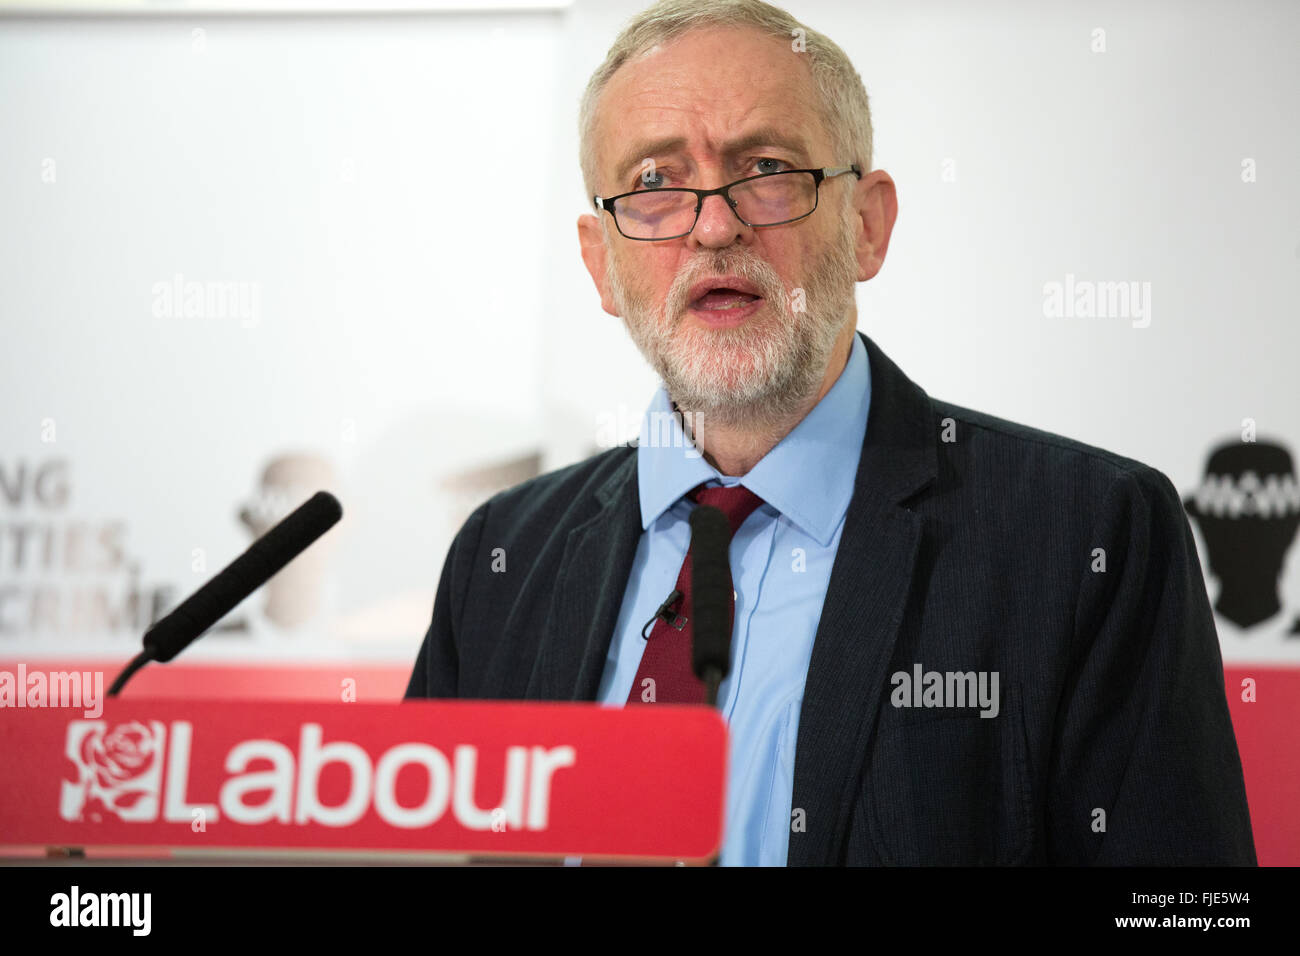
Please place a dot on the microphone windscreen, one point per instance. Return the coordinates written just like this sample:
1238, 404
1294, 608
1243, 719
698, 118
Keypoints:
710, 589
248, 572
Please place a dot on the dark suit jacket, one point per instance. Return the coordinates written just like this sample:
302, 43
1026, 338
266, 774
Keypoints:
970, 544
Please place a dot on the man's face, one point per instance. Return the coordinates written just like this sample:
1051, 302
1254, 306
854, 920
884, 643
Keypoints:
710, 88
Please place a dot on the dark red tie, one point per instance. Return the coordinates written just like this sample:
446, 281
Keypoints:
665, 675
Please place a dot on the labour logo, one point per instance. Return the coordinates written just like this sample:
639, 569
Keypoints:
119, 771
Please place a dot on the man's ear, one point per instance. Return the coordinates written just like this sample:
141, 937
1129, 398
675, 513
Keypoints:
876, 203
594, 252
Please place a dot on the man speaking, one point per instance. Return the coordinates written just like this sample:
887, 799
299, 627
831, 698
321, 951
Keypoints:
955, 639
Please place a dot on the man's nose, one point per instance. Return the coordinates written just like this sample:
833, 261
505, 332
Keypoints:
718, 225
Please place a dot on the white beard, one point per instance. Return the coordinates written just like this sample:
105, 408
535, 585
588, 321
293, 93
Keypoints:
758, 374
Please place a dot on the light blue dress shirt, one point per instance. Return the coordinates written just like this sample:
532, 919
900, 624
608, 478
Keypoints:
781, 561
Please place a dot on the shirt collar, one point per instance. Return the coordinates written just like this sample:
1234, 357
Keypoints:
808, 477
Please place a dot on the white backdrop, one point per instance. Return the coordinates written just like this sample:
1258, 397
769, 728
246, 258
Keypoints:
390, 203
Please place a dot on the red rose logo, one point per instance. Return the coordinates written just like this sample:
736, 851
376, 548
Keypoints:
116, 759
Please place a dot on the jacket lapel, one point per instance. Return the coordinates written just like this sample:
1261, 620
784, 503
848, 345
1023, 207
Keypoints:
865, 599
588, 594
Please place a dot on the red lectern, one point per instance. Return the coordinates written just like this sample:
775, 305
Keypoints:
457, 780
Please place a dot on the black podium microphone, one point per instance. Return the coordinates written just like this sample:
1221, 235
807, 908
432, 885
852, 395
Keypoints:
248, 572
710, 598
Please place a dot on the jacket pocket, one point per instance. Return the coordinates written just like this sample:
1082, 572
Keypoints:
950, 789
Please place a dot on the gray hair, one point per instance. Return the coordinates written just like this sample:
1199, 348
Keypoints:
844, 108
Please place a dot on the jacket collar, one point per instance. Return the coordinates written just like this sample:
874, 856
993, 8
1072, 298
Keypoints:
669, 464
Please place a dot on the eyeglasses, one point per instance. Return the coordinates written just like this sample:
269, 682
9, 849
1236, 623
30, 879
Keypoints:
769, 199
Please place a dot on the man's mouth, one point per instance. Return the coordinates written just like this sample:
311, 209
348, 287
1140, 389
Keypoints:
725, 301
722, 299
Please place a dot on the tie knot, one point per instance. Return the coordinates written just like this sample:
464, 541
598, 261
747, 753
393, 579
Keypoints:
736, 502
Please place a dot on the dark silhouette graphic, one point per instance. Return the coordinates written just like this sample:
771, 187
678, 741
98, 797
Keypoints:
1248, 509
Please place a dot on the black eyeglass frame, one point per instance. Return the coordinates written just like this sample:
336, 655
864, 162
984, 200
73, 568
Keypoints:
826, 172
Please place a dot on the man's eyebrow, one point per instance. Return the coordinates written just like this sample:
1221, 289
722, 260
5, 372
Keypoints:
764, 136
